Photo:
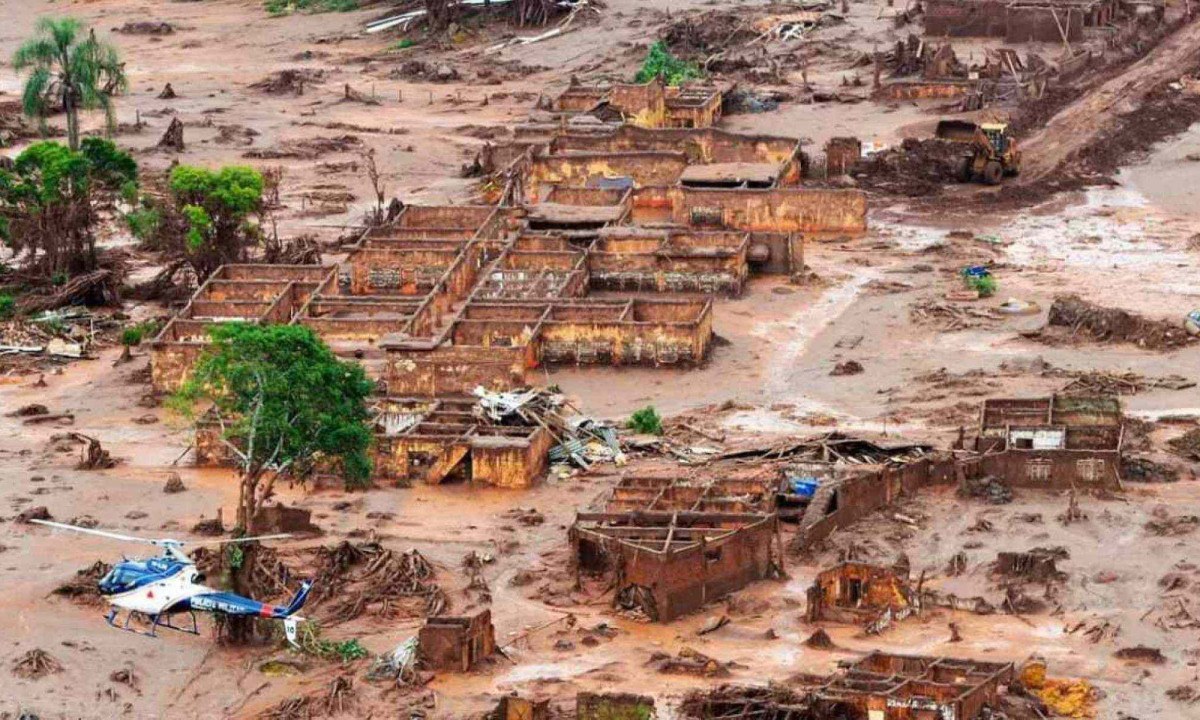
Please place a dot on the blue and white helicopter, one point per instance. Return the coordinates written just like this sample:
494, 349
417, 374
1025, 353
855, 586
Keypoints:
170, 584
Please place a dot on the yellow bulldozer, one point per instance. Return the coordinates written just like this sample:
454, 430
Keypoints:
992, 155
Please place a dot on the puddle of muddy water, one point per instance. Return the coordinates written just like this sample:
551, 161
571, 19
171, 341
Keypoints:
1111, 226
1168, 178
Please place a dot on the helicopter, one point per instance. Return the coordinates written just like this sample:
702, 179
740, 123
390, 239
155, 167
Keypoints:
170, 584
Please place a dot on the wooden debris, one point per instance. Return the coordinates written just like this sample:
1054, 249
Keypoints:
36, 664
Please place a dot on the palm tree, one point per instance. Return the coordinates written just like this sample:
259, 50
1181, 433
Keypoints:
70, 71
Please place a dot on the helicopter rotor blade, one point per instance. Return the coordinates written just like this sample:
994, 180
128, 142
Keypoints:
91, 531
226, 541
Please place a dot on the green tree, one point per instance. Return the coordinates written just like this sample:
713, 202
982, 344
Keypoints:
660, 62
49, 202
70, 70
208, 219
284, 404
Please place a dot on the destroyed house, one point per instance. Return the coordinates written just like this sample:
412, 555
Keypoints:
675, 494
857, 592
641, 157
1057, 442
234, 293
652, 104
883, 686
880, 686
1018, 20
668, 564
443, 440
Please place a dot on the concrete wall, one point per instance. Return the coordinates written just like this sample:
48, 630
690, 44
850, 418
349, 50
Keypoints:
684, 581
511, 463
778, 210
456, 643
643, 168
453, 370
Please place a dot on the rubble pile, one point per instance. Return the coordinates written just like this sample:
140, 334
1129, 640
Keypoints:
1186, 446
288, 81
335, 699
1098, 382
352, 579
306, 148
37, 663
915, 168
991, 489
581, 441
1082, 319
82, 589
688, 662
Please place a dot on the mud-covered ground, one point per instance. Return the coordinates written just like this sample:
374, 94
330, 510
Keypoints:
879, 300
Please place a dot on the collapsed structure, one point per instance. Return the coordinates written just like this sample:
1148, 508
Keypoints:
1018, 20
457, 644
1059, 443
667, 564
861, 593
880, 686
651, 206
664, 541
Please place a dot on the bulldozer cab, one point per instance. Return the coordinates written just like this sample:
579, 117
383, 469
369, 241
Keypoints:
997, 135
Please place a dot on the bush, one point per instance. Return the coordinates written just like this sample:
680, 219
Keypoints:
135, 334
660, 61
143, 223
985, 285
8, 306
646, 421
311, 643
286, 7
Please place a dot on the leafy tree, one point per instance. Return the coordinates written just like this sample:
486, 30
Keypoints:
660, 62
70, 70
206, 219
285, 404
49, 202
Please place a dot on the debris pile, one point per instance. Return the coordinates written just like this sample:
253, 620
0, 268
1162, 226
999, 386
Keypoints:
688, 662
306, 148
82, 589
1099, 382
336, 699
353, 579
36, 664
950, 316
988, 488
1145, 470
1082, 319
915, 168
1186, 446
145, 27
92, 456
581, 440
288, 81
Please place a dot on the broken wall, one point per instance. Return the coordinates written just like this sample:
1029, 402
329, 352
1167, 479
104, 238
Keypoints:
777, 210
456, 643
642, 168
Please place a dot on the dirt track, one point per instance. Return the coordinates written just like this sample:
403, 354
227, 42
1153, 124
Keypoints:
1086, 120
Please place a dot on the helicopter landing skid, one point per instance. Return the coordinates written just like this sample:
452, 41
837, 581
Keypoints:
156, 622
